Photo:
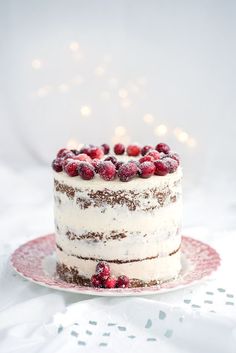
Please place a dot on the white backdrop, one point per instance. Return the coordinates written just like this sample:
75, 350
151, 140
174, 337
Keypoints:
90, 72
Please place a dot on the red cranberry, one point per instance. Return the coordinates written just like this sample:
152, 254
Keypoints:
69, 155
64, 162
83, 157
122, 282
95, 162
171, 163
163, 147
85, 149
107, 170
118, 164
62, 152
103, 270
57, 165
146, 159
106, 148
110, 282
96, 152
147, 169
133, 150
113, 159
173, 156
71, 168
86, 170
161, 167
96, 281
127, 171
76, 152
154, 154
145, 149
119, 148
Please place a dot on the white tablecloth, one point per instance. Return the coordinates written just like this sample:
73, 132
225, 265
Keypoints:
201, 318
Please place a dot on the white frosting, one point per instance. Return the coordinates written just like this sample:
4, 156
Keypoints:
162, 268
161, 227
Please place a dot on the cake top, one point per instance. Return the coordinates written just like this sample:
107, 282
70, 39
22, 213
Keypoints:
124, 164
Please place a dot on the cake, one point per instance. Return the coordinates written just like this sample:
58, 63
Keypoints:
118, 216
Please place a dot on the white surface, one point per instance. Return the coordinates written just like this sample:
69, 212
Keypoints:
27, 309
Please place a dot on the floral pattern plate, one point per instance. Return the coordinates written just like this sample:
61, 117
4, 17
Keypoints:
36, 261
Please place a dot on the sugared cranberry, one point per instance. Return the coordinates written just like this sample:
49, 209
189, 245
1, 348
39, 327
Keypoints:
171, 163
62, 152
96, 152
64, 162
57, 165
161, 167
146, 159
69, 155
113, 159
95, 162
146, 169
71, 168
145, 149
122, 282
96, 281
106, 148
103, 270
107, 170
173, 156
154, 154
119, 148
85, 149
86, 170
110, 282
127, 171
133, 150
163, 147
118, 164
83, 157
76, 152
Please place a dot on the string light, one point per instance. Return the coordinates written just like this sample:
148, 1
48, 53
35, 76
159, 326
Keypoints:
148, 118
74, 46
105, 95
43, 91
123, 93
36, 64
160, 130
120, 131
99, 71
85, 110
182, 136
63, 88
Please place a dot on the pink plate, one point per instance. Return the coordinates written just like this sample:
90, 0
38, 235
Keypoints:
35, 260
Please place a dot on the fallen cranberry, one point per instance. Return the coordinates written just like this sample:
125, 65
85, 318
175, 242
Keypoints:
161, 167
110, 282
106, 148
106, 170
103, 270
96, 281
145, 149
119, 149
163, 147
86, 171
127, 171
122, 282
133, 150
146, 169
